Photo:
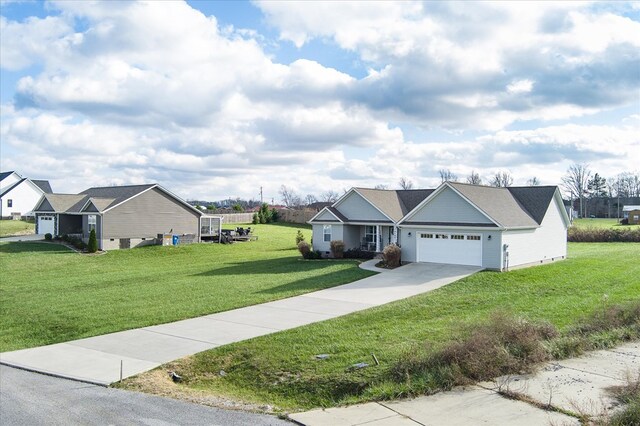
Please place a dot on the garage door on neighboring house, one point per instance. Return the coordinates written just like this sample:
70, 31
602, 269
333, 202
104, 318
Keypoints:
46, 225
449, 247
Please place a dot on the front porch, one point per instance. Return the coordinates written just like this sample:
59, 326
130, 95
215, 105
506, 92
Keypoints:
372, 238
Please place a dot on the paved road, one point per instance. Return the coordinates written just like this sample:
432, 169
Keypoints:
34, 399
99, 359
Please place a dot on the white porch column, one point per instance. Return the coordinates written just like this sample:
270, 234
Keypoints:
378, 236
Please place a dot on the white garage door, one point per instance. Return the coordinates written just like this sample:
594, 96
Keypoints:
449, 247
46, 225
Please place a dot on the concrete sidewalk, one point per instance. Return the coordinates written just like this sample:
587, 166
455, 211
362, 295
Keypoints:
105, 359
575, 385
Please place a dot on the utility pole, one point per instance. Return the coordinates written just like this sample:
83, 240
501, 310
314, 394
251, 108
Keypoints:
261, 200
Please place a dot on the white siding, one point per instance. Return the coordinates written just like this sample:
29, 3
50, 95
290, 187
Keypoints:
546, 243
9, 180
448, 206
357, 208
23, 197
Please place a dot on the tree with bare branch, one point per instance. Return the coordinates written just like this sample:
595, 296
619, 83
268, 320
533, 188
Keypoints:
329, 196
575, 183
289, 197
502, 180
405, 183
447, 175
534, 181
474, 178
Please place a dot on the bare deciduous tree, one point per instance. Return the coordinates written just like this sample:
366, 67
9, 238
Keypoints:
534, 181
310, 199
474, 178
329, 196
405, 183
447, 175
575, 183
289, 197
381, 186
502, 180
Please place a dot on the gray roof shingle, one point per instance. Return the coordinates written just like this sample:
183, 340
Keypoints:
497, 203
44, 185
535, 199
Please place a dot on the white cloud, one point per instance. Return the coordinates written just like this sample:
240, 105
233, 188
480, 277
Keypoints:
157, 91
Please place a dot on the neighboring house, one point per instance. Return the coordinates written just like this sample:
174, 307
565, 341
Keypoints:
123, 216
496, 228
19, 195
632, 214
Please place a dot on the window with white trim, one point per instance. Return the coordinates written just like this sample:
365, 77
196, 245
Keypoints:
326, 233
370, 234
91, 221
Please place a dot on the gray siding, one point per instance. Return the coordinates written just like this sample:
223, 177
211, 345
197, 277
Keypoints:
326, 215
45, 206
491, 249
91, 208
357, 208
448, 206
149, 214
318, 238
351, 236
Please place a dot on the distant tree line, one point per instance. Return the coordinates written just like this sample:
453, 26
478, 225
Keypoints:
589, 193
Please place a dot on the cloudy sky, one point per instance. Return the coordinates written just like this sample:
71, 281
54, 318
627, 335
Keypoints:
216, 99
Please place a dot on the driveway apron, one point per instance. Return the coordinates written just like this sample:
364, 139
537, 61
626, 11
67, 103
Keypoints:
108, 358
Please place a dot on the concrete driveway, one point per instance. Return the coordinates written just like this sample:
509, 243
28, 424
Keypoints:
105, 359
17, 238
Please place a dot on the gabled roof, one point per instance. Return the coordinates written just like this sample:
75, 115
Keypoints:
62, 202
100, 204
43, 185
395, 204
333, 211
4, 175
103, 198
385, 200
535, 199
18, 183
499, 204
117, 194
9, 188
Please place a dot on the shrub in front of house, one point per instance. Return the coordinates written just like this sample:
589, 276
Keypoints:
337, 248
256, 219
299, 237
48, 236
357, 253
391, 255
93, 242
304, 248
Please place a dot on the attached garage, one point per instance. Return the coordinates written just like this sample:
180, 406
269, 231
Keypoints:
46, 225
449, 247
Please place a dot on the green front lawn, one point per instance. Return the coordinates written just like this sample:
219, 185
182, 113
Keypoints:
51, 294
16, 227
600, 223
281, 369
